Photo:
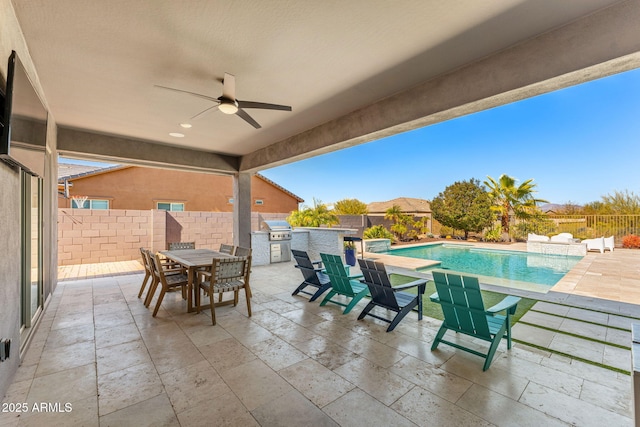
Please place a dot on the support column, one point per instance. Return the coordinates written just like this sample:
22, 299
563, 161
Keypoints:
242, 209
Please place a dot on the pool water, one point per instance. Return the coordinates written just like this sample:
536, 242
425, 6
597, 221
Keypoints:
535, 268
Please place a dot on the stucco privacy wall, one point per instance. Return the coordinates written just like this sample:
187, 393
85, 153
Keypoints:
11, 38
92, 236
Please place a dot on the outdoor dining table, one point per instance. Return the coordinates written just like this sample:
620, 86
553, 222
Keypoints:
193, 260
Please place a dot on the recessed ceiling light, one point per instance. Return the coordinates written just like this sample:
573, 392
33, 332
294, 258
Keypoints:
177, 135
185, 125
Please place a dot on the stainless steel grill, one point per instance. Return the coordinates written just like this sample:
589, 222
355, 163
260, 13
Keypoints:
278, 230
280, 235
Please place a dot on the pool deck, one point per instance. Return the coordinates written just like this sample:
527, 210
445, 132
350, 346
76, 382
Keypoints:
612, 276
293, 362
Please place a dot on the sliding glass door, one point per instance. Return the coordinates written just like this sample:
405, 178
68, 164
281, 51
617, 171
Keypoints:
31, 256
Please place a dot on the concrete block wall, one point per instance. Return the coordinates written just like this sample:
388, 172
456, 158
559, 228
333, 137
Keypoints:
207, 229
91, 236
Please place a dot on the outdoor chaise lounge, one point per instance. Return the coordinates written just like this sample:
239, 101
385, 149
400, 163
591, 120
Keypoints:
532, 237
600, 244
596, 244
463, 310
609, 243
562, 238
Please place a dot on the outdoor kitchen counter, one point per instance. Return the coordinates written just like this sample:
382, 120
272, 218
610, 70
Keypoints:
310, 239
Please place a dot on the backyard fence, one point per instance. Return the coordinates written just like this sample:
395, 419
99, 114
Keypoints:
583, 226
580, 226
95, 235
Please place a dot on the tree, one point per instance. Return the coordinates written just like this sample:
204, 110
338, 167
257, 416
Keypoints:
570, 208
350, 207
507, 198
619, 203
464, 205
314, 216
401, 221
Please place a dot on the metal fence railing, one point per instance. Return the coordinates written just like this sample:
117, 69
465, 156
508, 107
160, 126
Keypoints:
584, 226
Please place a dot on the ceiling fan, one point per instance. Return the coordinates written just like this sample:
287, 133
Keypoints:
228, 104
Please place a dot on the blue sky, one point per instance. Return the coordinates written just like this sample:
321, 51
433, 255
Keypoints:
578, 144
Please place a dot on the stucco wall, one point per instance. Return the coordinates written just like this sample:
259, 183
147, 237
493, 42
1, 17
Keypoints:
10, 240
141, 188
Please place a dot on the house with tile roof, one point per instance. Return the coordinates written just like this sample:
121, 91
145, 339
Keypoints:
408, 205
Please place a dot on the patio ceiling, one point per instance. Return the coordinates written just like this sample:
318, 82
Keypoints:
335, 63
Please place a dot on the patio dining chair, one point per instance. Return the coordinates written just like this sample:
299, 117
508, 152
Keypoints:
227, 249
174, 246
313, 275
383, 295
342, 283
226, 275
464, 312
240, 251
170, 268
167, 282
147, 271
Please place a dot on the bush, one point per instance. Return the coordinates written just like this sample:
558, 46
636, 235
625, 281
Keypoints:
537, 225
494, 234
631, 241
377, 232
446, 231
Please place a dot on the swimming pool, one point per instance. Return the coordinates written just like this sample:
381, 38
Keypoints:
500, 267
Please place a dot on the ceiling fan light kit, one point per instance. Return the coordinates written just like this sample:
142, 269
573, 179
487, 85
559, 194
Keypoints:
228, 104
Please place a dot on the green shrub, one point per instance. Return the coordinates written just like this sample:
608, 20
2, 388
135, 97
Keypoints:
377, 232
537, 225
494, 234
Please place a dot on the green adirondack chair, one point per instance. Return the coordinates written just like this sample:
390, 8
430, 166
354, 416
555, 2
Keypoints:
342, 283
464, 312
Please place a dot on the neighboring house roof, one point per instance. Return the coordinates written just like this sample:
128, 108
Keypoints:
550, 207
407, 204
69, 172
265, 179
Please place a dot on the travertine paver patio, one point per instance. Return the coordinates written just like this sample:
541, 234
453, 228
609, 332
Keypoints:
291, 363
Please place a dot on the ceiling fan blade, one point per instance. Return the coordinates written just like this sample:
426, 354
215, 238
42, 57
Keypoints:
203, 112
229, 86
247, 118
199, 95
263, 106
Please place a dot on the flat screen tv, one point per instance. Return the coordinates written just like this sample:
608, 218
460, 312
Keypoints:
24, 122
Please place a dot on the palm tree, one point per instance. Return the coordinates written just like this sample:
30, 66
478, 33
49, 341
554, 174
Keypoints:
313, 217
507, 198
400, 221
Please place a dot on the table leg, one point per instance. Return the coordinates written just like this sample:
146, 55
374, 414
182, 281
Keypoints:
191, 273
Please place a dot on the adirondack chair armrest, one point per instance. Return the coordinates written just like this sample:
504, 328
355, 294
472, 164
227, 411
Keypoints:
355, 276
318, 263
508, 303
317, 270
434, 297
420, 283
